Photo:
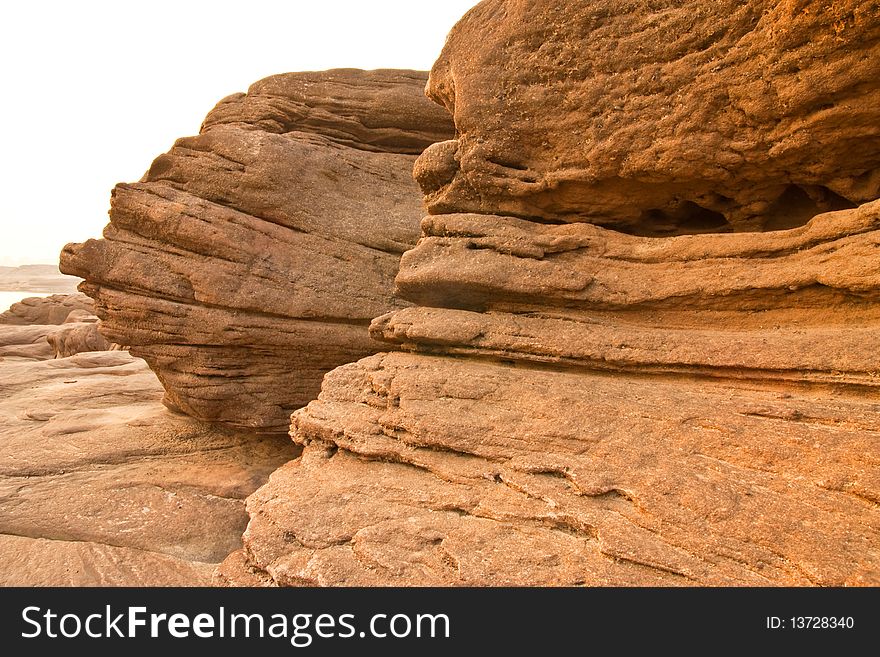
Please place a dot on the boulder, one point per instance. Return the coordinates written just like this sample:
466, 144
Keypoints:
74, 338
659, 118
251, 258
53, 309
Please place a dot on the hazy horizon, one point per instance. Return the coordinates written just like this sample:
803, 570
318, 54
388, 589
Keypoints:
99, 90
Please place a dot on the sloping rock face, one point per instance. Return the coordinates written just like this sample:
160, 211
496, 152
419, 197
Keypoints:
662, 118
574, 405
251, 258
100, 484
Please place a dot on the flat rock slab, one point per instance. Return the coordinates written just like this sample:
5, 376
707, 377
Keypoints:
100, 484
426, 470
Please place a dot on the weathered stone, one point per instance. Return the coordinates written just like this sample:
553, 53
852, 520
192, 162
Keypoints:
587, 407
659, 118
252, 257
54, 309
453, 471
102, 485
580, 406
75, 338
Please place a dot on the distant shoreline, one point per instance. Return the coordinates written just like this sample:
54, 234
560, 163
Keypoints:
36, 279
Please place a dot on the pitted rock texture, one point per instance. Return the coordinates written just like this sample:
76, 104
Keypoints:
429, 470
659, 118
252, 257
100, 484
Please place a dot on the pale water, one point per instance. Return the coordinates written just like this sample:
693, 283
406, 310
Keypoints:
9, 298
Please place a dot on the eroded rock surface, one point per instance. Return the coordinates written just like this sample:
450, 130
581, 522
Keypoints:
100, 484
593, 408
429, 470
252, 257
54, 309
573, 405
659, 118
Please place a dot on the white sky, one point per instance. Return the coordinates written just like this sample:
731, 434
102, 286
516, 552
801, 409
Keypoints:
93, 90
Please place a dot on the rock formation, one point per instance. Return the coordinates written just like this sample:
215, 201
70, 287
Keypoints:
573, 405
54, 309
678, 117
251, 258
76, 338
102, 485
39, 328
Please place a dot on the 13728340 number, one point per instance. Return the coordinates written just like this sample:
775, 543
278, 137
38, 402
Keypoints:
822, 622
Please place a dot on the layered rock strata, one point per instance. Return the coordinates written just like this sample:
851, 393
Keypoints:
798, 305
574, 405
250, 259
593, 408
